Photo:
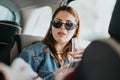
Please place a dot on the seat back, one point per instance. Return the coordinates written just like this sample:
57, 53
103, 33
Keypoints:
22, 41
8, 29
101, 61
114, 27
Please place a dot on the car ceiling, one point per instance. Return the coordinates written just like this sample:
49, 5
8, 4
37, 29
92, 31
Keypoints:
27, 3
20, 4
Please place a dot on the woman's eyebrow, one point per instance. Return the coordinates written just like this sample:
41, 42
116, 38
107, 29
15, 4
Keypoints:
62, 20
58, 19
68, 21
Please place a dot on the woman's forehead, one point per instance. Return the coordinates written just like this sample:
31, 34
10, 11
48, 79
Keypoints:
65, 16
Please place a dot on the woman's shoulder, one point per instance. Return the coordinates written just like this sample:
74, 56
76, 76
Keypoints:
33, 49
35, 46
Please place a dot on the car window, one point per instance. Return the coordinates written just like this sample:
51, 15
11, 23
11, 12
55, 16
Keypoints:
95, 17
6, 14
38, 21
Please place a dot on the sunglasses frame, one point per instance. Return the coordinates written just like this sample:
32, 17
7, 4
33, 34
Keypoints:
68, 28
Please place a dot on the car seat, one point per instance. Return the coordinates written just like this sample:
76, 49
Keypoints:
7, 31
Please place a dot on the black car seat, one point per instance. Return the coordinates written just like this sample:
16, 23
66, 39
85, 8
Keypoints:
114, 27
101, 59
12, 42
8, 29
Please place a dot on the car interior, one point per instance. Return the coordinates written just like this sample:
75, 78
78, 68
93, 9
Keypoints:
25, 21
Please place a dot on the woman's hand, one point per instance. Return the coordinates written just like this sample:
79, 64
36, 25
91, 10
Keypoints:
77, 54
61, 71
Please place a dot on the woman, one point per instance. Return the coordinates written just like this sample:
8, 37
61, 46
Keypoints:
52, 53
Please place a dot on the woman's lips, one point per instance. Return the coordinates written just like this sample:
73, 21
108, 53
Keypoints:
61, 33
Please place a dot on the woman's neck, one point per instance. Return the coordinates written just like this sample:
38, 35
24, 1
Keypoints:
59, 47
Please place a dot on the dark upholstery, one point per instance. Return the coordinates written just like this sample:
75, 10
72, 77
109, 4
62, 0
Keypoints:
114, 27
8, 29
101, 61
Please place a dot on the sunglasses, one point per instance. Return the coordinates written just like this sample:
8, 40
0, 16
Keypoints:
68, 25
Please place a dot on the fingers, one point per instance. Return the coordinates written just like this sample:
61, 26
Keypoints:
77, 54
62, 70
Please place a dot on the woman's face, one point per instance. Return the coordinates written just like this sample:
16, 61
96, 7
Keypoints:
62, 35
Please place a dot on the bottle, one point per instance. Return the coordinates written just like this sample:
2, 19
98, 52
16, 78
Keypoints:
73, 61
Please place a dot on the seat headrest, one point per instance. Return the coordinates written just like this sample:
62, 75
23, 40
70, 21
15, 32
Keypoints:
114, 27
8, 29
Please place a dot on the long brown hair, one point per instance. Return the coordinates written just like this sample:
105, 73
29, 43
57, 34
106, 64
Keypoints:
50, 41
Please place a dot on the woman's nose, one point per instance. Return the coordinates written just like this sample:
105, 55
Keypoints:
62, 26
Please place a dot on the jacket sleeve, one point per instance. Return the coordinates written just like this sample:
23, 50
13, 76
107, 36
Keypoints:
46, 75
28, 56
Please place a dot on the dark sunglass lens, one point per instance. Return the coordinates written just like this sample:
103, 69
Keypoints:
70, 26
56, 24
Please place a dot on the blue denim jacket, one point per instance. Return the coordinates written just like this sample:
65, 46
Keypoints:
40, 61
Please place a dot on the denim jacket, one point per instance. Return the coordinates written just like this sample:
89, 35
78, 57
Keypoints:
41, 61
